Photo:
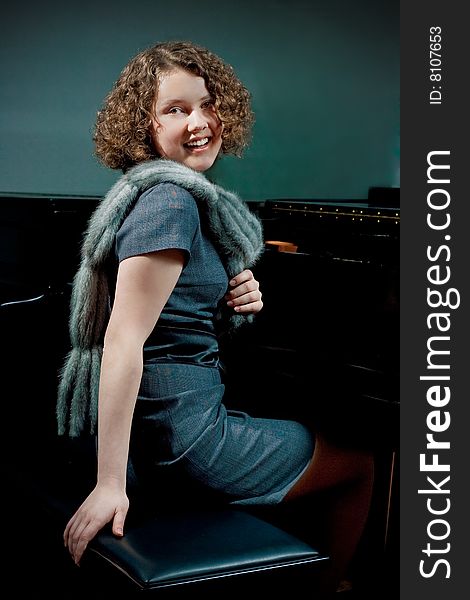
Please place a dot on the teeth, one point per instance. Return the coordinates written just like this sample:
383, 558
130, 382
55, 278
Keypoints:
198, 142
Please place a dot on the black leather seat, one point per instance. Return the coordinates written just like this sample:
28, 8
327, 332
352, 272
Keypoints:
210, 548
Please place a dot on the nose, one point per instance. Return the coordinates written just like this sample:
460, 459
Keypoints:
196, 121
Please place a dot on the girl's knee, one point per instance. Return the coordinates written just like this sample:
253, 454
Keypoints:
351, 463
333, 466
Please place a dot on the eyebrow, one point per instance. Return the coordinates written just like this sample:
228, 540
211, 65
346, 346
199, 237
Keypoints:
173, 101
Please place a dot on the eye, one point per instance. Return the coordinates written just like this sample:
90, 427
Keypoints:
209, 104
174, 110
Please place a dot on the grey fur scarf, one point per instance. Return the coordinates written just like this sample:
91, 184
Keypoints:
235, 231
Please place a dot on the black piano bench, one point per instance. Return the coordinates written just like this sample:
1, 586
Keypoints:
208, 551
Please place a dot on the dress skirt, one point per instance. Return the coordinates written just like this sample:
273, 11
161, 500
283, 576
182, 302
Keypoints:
180, 420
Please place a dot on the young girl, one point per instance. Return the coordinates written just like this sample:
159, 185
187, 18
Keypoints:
170, 253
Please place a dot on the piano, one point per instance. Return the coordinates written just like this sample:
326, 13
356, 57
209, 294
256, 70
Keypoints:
329, 327
324, 349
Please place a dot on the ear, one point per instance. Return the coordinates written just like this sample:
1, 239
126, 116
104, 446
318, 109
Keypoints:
154, 129
155, 126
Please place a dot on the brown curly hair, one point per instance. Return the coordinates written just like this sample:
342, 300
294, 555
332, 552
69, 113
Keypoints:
122, 132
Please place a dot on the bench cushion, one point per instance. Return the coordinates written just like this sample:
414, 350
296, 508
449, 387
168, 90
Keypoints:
172, 549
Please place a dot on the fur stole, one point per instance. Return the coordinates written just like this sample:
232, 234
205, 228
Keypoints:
235, 231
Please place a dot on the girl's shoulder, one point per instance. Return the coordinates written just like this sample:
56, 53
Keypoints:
167, 196
164, 216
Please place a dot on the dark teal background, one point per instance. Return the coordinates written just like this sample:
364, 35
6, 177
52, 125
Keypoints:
324, 76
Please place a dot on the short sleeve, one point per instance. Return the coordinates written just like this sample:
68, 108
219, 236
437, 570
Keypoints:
163, 217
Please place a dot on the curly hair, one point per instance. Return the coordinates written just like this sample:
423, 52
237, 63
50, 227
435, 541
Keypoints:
122, 132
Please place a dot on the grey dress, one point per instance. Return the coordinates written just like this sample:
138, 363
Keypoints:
180, 419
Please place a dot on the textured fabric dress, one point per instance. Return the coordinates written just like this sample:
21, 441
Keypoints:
180, 420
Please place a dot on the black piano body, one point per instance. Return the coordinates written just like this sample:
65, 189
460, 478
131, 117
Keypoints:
329, 328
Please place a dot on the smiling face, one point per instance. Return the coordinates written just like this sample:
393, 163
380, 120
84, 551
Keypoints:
186, 127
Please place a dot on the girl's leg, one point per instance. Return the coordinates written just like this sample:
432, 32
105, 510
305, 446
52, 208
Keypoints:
346, 475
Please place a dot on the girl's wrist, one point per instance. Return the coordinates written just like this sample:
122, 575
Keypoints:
111, 482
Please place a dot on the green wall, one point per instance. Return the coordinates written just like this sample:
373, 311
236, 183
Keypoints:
324, 77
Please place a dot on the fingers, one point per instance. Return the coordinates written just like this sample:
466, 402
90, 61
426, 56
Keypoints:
118, 523
81, 529
103, 505
245, 275
80, 542
66, 532
252, 307
77, 535
245, 286
245, 297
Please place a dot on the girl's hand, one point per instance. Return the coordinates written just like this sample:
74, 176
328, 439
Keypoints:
245, 296
103, 505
